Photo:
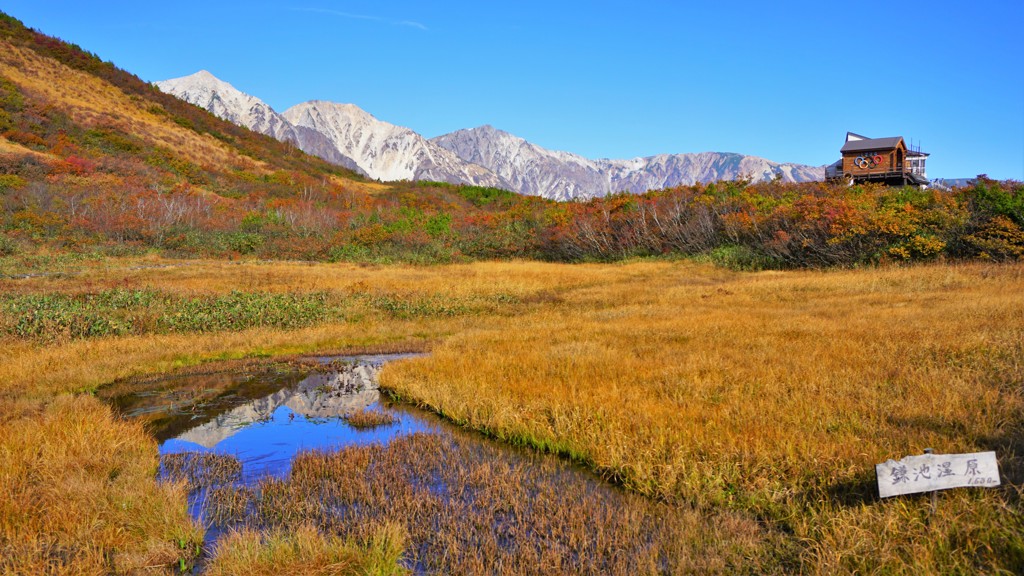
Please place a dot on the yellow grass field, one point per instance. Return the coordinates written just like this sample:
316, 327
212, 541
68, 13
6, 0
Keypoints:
770, 395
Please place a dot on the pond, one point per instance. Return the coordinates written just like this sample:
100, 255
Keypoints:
265, 429
283, 447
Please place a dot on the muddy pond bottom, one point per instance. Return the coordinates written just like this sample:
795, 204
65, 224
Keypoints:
281, 449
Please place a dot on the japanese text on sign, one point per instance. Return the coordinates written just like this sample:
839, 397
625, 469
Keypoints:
929, 472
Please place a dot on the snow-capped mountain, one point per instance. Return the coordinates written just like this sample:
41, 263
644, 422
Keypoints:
531, 169
224, 100
339, 133
385, 151
349, 136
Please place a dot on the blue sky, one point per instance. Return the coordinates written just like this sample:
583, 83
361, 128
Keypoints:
613, 79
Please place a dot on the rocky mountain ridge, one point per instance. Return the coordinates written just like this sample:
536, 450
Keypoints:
532, 169
385, 151
485, 156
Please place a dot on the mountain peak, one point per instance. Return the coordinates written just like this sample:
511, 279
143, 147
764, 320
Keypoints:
489, 130
202, 79
558, 175
222, 99
327, 105
383, 150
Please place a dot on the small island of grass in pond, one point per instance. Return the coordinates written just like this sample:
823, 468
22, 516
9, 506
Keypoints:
366, 419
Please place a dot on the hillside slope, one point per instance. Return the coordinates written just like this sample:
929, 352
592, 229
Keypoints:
94, 160
64, 112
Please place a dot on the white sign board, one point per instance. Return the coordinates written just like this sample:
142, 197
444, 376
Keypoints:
929, 472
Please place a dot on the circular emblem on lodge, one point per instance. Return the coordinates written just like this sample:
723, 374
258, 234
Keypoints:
868, 161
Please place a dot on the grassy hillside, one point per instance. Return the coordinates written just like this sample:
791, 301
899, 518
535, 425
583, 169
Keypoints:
71, 101
93, 158
94, 161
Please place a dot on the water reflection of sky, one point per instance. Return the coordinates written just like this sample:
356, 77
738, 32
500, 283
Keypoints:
267, 429
267, 447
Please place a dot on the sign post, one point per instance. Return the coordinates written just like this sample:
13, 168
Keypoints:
930, 472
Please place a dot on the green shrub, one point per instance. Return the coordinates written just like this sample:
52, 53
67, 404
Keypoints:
439, 225
482, 196
350, 253
244, 242
11, 182
117, 312
112, 142
11, 99
1000, 198
739, 257
241, 310
8, 246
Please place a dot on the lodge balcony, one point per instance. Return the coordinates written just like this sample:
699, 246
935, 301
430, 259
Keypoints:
901, 174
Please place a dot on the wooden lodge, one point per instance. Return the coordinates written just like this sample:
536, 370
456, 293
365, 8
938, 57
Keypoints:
883, 160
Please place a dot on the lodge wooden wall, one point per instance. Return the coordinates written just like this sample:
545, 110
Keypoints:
889, 161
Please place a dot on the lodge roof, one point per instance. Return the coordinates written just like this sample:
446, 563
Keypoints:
871, 144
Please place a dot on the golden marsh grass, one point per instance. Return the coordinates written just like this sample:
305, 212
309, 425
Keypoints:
80, 497
365, 419
470, 508
306, 551
771, 394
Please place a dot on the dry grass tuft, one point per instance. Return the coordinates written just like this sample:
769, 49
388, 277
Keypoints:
79, 495
365, 419
305, 551
201, 468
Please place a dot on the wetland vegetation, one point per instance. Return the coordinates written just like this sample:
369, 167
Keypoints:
460, 503
754, 405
